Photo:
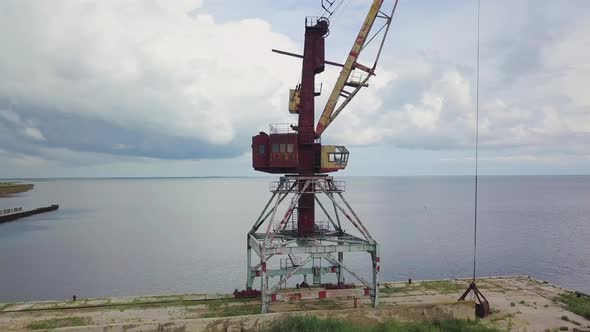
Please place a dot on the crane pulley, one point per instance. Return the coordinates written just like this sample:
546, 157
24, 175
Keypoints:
333, 108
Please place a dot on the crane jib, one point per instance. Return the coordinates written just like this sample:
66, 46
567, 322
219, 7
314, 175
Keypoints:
338, 91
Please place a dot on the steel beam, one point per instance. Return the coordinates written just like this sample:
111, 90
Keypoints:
331, 246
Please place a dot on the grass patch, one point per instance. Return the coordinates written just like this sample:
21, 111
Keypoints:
236, 310
392, 290
512, 304
443, 286
565, 318
563, 328
224, 308
313, 324
213, 304
60, 322
576, 303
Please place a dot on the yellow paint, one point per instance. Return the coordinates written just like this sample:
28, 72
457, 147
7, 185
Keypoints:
325, 160
325, 118
294, 101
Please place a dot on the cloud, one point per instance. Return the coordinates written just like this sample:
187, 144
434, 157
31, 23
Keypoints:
168, 73
24, 128
532, 99
110, 80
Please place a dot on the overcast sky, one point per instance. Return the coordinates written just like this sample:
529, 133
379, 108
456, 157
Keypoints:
177, 88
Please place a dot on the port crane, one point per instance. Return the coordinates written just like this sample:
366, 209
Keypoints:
309, 246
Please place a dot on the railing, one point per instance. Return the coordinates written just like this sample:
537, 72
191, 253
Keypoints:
292, 185
291, 262
311, 20
338, 186
323, 226
4, 212
281, 128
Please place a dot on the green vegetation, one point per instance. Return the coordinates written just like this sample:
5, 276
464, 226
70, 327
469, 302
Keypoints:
442, 286
324, 304
60, 322
576, 303
313, 324
8, 188
233, 310
565, 318
392, 290
512, 304
563, 328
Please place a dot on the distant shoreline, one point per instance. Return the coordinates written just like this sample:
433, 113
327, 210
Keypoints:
9, 188
269, 176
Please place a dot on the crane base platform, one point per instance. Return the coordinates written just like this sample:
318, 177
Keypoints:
284, 254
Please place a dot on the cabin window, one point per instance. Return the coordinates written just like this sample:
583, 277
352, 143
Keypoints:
275, 147
283, 148
290, 148
261, 149
340, 157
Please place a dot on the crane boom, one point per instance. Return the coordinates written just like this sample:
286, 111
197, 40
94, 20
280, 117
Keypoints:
330, 111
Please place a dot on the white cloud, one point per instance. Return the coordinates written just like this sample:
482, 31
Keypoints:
177, 69
25, 128
541, 107
143, 64
33, 133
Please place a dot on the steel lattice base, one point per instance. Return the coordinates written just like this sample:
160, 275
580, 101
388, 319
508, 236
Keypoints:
314, 255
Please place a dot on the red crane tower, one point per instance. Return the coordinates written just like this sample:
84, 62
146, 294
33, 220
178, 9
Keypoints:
309, 246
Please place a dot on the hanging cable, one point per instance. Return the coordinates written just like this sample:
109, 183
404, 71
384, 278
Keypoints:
339, 13
476, 145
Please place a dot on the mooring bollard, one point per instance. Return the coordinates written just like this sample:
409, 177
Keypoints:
410, 281
74, 298
355, 302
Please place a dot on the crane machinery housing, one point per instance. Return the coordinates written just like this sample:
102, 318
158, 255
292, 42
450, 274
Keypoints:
306, 246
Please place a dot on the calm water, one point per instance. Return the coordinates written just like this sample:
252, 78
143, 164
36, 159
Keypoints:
154, 236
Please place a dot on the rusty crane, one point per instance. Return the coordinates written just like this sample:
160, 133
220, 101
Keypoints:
287, 238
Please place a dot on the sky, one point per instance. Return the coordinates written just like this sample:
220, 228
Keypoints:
177, 88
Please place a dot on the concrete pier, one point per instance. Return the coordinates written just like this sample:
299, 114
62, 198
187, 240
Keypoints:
518, 303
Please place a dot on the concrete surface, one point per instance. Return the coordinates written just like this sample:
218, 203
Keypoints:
518, 304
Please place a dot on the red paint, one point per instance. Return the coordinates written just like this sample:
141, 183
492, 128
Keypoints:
273, 297
270, 153
322, 294
378, 259
367, 291
263, 265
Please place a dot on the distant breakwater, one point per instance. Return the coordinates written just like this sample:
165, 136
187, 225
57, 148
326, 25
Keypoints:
16, 216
